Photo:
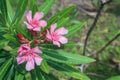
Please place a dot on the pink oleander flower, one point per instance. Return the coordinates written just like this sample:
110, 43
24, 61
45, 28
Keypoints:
56, 36
26, 54
34, 23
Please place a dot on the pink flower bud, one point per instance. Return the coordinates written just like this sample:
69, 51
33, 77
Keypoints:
20, 36
36, 41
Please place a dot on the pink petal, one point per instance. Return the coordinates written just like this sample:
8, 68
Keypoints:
38, 60
43, 23
48, 35
61, 31
22, 52
56, 43
63, 39
20, 60
38, 15
29, 16
28, 26
30, 65
36, 29
36, 50
20, 49
52, 28
25, 46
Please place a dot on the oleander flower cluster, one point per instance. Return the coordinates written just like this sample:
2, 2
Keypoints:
41, 34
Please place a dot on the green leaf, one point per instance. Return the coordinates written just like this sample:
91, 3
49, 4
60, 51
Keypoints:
20, 11
21, 68
4, 54
3, 8
51, 46
33, 75
62, 22
9, 11
60, 15
44, 66
2, 21
10, 74
46, 6
69, 45
75, 28
68, 70
50, 77
4, 68
44, 76
21, 30
11, 38
3, 29
14, 51
3, 43
32, 3
64, 57
19, 76
2, 60
33, 6
114, 78
39, 74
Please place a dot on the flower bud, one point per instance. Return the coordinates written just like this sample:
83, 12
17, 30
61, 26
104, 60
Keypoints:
36, 41
20, 36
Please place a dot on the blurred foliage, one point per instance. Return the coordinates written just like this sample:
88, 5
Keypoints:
107, 64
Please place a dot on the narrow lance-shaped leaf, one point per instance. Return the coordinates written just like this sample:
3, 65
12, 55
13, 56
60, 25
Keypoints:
46, 6
75, 28
50, 77
3, 29
18, 76
20, 11
51, 46
4, 68
62, 22
33, 6
3, 9
2, 20
114, 78
21, 30
33, 75
68, 70
60, 15
32, 3
39, 74
64, 57
3, 43
44, 66
9, 11
10, 74
44, 76
11, 38
2, 60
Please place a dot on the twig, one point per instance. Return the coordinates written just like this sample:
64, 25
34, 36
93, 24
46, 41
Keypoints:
94, 23
108, 43
91, 28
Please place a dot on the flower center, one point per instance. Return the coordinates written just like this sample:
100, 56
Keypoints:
55, 36
34, 23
